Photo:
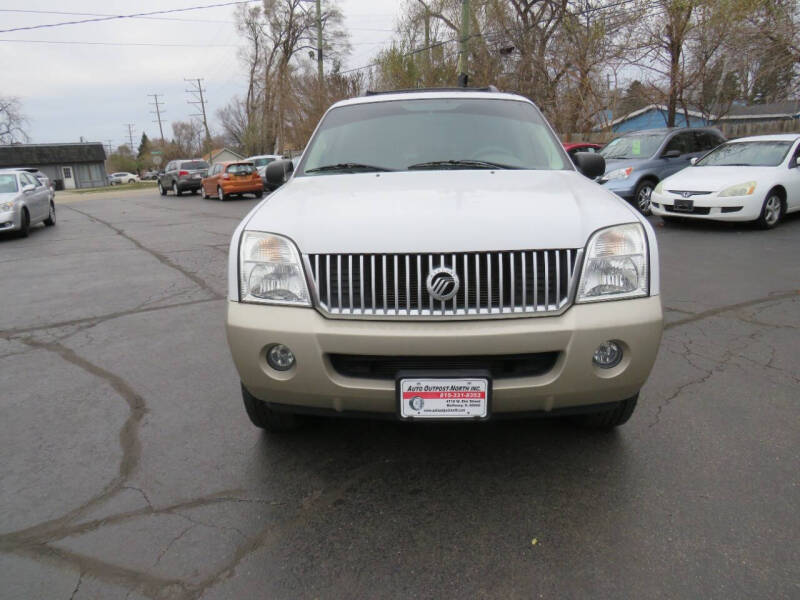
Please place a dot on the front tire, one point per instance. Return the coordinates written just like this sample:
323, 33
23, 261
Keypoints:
50, 221
771, 211
25, 225
611, 418
262, 416
161, 189
642, 196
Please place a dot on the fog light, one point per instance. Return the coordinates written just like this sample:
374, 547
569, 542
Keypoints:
280, 358
607, 355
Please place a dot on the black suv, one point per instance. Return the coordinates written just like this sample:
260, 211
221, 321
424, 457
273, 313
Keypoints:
183, 175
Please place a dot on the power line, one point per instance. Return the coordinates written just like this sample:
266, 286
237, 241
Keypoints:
90, 14
123, 44
157, 112
128, 16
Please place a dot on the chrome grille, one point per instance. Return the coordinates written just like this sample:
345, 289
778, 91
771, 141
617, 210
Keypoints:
491, 283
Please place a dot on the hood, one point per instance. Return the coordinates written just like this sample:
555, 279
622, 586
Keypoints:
715, 179
621, 163
439, 211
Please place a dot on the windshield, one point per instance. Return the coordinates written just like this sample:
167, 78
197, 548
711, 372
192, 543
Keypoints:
8, 184
441, 133
746, 154
633, 146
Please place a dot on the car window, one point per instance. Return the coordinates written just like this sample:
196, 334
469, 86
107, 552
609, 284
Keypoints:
260, 162
194, 165
8, 183
398, 134
747, 154
705, 141
633, 146
241, 169
682, 142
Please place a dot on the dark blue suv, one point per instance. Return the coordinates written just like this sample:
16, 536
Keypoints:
636, 162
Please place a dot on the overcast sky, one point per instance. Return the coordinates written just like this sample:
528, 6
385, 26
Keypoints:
71, 90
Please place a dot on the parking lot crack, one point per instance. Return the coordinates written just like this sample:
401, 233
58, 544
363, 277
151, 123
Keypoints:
77, 586
713, 312
162, 258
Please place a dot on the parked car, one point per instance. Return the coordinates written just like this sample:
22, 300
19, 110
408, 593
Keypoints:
150, 175
262, 160
24, 201
42, 178
749, 179
232, 179
636, 162
122, 177
573, 147
439, 256
182, 175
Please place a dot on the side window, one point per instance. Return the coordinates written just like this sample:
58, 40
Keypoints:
682, 142
706, 140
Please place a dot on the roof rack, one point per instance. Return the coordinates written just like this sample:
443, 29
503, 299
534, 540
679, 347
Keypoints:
491, 89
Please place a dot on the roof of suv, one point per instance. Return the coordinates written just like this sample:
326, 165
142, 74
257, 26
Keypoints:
431, 93
666, 130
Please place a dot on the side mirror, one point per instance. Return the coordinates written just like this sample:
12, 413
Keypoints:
28, 187
671, 154
589, 164
693, 160
278, 171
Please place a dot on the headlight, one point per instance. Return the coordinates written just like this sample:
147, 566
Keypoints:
659, 188
270, 271
619, 173
6, 206
615, 266
742, 189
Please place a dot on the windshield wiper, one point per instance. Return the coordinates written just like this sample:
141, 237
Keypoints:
455, 164
347, 166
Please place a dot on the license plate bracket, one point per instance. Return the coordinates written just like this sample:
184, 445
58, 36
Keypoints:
443, 395
683, 205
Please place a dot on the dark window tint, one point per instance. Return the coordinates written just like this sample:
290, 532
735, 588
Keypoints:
194, 165
682, 142
706, 140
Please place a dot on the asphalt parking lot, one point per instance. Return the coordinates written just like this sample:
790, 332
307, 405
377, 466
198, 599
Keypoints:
128, 468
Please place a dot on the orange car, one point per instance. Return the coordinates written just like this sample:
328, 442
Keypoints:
232, 178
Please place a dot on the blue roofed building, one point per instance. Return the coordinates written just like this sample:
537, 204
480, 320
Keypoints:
654, 116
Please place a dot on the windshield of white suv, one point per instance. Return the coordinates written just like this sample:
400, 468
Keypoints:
747, 154
433, 133
633, 146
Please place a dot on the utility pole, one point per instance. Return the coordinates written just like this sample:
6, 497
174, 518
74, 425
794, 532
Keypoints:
197, 93
130, 127
427, 46
157, 112
320, 74
463, 77
108, 148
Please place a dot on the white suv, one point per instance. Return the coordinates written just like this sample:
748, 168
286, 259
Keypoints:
436, 255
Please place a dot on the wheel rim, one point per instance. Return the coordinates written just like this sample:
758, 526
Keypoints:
220, 193
644, 198
175, 188
772, 210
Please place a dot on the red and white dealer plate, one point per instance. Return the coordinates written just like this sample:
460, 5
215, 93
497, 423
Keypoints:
444, 398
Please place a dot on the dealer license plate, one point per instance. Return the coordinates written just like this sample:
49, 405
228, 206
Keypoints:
444, 398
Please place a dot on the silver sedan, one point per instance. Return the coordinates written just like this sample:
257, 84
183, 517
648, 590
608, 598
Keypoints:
24, 202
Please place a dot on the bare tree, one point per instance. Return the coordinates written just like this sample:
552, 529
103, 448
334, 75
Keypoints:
12, 121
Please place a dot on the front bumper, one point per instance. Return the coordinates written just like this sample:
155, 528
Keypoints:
624, 188
10, 220
573, 381
710, 206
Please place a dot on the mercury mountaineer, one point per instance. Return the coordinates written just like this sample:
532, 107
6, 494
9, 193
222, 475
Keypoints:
436, 255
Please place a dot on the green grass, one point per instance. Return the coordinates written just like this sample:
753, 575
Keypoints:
113, 188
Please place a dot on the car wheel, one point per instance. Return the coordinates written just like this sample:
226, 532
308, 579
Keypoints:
25, 225
642, 196
264, 417
609, 418
771, 211
175, 189
220, 194
161, 189
131, 181
51, 219
203, 193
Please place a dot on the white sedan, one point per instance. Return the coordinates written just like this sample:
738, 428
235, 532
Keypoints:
749, 179
123, 177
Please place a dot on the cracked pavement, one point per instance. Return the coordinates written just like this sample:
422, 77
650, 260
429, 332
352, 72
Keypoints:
128, 468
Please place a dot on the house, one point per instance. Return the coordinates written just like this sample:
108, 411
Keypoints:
654, 116
777, 117
69, 166
222, 155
